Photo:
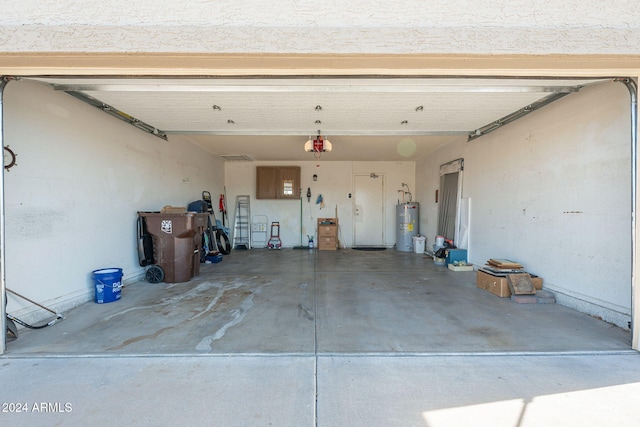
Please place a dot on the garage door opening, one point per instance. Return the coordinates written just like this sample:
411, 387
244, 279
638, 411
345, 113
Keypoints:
57, 116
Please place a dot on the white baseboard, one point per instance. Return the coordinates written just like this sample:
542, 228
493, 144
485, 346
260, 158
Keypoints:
34, 315
614, 317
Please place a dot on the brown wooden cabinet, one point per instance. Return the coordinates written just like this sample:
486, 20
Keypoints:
265, 183
278, 182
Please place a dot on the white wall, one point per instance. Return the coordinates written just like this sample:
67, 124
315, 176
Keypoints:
335, 182
553, 191
72, 199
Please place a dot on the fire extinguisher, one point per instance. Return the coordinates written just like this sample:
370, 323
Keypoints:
223, 209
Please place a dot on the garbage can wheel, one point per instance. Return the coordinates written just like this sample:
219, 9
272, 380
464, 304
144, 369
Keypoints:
155, 274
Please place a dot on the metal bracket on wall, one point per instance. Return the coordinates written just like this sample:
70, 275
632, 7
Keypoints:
520, 113
118, 114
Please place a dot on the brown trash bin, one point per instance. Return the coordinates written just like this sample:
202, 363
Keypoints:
177, 242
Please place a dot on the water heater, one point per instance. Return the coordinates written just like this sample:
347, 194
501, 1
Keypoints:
407, 225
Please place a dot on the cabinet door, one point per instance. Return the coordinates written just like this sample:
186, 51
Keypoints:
266, 177
289, 182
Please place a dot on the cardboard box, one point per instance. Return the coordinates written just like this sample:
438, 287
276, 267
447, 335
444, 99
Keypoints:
173, 210
327, 227
460, 267
327, 230
494, 284
327, 234
498, 285
537, 282
327, 243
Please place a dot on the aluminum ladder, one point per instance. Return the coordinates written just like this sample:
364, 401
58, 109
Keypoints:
241, 228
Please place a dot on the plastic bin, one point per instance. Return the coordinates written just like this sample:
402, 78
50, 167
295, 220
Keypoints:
456, 255
419, 243
177, 242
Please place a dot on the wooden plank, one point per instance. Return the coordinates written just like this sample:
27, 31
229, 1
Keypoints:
504, 263
520, 284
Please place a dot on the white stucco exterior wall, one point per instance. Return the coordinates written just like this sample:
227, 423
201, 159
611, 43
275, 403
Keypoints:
333, 26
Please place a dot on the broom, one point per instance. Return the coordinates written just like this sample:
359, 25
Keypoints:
13, 330
301, 245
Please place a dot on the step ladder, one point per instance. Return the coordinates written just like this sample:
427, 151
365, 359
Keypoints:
241, 228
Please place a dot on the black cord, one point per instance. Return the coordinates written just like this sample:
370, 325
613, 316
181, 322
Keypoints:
26, 325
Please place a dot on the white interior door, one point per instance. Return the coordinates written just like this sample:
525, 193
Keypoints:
369, 210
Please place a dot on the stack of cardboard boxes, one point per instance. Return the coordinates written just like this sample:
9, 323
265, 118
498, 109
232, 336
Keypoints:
494, 277
327, 234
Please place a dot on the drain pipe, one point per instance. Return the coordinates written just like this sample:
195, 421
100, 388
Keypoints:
633, 91
3, 295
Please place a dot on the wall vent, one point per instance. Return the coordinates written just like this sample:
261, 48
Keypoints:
236, 157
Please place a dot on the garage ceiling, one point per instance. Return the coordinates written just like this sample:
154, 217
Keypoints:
264, 118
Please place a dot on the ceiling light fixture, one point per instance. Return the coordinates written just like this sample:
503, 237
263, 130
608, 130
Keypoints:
404, 122
216, 108
419, 108
231, 122
318, 107
318, 145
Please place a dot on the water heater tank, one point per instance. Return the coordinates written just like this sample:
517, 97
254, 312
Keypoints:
407, 225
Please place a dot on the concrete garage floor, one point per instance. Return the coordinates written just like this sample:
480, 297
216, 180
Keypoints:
298, 337
307, 302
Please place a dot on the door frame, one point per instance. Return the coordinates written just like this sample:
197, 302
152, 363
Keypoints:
453, 167
382, 211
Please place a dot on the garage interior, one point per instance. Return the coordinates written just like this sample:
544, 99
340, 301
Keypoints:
533, 149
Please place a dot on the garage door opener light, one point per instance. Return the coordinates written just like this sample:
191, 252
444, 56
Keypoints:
318, 145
